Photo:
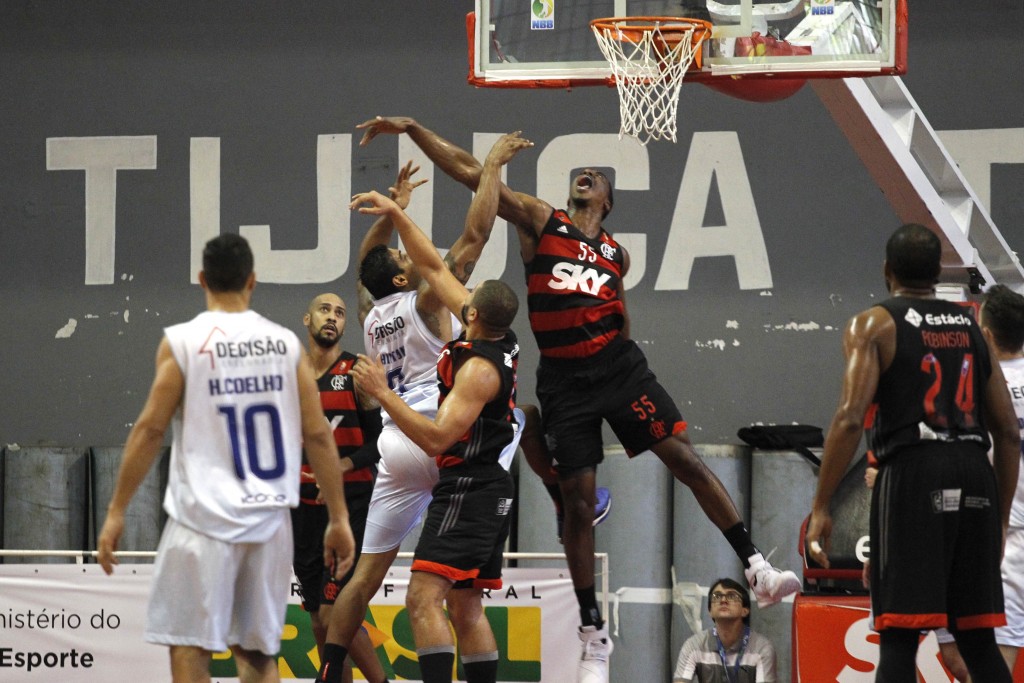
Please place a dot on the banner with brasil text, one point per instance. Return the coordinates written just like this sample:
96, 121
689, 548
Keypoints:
74, 623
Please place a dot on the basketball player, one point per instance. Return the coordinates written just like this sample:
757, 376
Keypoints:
355, 431
406, 325
241, 401
590, 370
1002, 322
922, 368
460, 551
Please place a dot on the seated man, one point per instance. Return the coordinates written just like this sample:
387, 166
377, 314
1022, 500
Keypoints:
730, 652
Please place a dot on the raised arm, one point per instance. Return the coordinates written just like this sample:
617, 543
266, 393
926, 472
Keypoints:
380, 232
465, 253
526, 212
451, 292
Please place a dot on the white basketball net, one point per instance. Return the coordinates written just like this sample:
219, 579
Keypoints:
648, 75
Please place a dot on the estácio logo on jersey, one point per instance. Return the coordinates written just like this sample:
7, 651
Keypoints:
263, 499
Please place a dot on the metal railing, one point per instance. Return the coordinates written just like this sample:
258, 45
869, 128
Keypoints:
81, 555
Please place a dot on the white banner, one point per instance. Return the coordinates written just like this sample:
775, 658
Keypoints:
73, 623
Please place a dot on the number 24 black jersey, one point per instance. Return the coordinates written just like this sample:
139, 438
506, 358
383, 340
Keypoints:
932, 389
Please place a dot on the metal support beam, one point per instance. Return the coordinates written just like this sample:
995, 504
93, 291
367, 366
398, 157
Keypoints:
922, 182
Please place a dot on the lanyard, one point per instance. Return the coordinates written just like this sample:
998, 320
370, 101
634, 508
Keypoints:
733, 677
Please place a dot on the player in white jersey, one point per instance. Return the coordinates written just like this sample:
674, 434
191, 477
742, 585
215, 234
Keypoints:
397, 334
1002, 322
407, 324
241, 405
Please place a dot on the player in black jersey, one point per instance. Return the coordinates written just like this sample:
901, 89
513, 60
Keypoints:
355, 428
590, 371
460, 551
921, 372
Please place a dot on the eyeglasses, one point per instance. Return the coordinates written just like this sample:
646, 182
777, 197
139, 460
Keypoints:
731, 596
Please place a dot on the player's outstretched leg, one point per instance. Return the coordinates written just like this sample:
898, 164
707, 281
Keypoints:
540, 462
769, 584
579, 492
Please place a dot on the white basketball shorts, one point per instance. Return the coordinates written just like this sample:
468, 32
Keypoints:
211, 594
405, 481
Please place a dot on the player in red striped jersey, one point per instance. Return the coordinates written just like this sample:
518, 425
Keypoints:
355, 428
591, 371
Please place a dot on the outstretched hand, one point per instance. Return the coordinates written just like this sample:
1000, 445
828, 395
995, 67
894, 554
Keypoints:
380, 124
507, 146
401, 191
376, 203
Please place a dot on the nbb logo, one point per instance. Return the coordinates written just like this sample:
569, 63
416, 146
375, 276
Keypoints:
517, 630
822, 7
542, 14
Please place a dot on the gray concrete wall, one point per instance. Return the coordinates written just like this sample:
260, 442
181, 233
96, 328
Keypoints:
194, 117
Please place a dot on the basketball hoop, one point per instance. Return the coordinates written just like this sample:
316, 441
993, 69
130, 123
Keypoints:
649, 57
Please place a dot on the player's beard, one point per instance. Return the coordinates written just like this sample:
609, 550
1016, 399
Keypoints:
324, 342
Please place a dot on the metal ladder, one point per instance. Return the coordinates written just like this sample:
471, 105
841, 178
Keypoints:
922, 182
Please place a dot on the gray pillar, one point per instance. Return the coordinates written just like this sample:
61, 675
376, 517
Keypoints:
144, 519
700, 553
3, 457
45, 501
637, 537
782, 487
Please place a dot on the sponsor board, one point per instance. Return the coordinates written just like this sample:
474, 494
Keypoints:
71, 622
833, 641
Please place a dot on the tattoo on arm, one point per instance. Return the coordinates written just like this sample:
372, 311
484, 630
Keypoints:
462, 272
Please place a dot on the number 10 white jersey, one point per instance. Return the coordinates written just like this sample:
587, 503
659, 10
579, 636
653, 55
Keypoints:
237, 437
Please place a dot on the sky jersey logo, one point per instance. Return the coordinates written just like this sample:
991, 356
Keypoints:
573, 276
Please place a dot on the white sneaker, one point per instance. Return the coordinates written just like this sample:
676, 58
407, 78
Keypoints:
769, 584
593, 666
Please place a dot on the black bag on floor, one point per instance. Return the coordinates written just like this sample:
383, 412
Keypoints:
799, 438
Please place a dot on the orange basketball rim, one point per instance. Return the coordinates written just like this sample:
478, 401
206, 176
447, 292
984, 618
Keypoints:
667, 32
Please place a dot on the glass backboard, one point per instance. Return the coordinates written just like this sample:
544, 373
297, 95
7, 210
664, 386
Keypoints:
549, 43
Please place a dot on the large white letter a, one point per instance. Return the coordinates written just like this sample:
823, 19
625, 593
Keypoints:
715, 154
